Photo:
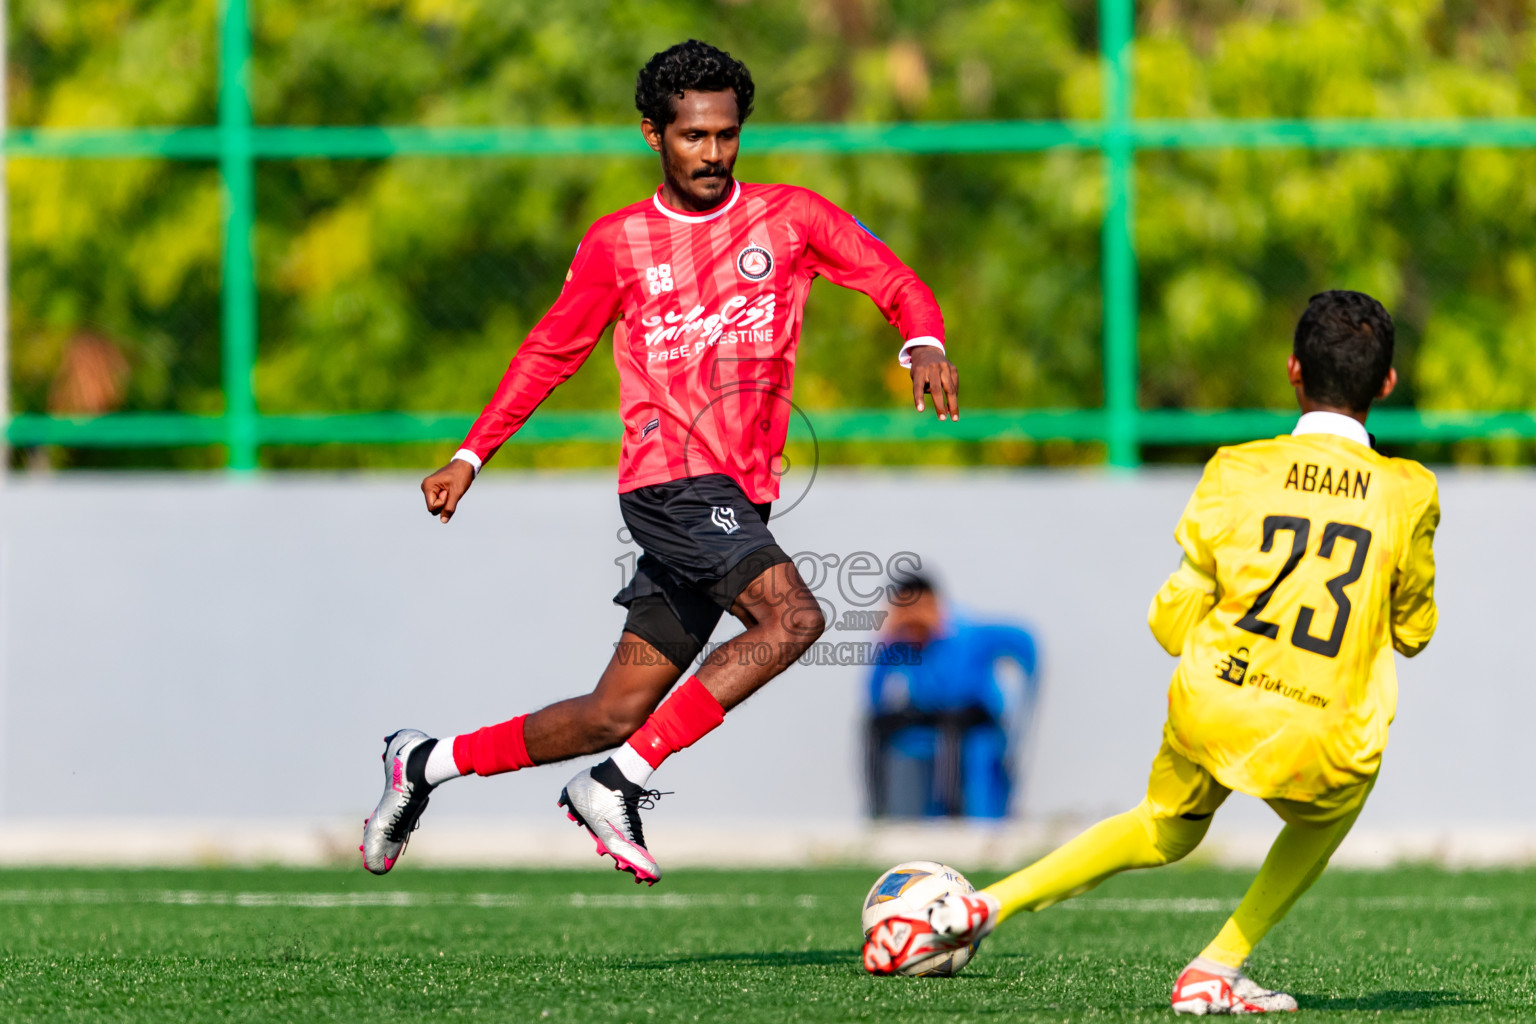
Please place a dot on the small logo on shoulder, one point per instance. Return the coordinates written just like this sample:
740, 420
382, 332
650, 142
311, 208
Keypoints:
645, 431
754, 263
1234, 668
724, 517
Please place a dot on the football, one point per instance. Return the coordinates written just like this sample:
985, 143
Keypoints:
906, 889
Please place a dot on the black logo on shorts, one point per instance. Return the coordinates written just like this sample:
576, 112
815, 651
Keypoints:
754, 263
1234, 668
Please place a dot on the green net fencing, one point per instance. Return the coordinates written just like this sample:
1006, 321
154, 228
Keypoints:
287, 286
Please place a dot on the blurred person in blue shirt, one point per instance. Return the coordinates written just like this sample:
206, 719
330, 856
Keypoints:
950, 703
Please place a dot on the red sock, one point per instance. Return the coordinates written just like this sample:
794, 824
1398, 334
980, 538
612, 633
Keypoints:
492, 750
682, 720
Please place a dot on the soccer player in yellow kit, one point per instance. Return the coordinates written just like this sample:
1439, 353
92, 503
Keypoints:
1307, 559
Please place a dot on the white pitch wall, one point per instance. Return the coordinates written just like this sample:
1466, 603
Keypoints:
180, 649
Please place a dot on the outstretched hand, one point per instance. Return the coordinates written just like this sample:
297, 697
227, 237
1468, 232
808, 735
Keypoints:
933, 374
444, 488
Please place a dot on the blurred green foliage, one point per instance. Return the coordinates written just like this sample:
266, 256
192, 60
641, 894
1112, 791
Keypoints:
407, 283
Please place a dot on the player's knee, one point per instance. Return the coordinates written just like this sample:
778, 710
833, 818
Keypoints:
802, 623
1164, 839
814, 620
815, 623
1176, 838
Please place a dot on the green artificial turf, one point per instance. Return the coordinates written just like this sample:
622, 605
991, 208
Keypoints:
328, 945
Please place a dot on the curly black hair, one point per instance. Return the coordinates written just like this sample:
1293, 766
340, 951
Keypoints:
1344, 345
691, 65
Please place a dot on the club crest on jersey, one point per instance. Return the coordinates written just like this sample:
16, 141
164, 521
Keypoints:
754, 263
724, 517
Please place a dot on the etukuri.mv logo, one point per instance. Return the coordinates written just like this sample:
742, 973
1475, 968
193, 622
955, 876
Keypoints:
1234, 667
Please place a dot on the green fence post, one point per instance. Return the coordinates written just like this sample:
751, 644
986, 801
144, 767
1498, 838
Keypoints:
237, 169
1118, 252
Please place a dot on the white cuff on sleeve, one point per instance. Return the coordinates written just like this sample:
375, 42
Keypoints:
905, 356
465, 455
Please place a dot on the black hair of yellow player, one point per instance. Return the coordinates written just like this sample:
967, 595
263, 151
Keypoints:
1341, 360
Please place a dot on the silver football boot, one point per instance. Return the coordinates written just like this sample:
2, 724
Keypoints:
386, 831
608, 806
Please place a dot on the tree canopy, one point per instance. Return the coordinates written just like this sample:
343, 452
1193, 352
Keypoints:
407, 283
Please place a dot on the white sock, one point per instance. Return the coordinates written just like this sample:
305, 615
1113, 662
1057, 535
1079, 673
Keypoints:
1212, 967
633, 767
440, 764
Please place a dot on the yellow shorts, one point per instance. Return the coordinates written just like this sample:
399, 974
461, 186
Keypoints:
1180, 788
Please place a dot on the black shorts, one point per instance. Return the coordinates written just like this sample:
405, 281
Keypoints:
702, 542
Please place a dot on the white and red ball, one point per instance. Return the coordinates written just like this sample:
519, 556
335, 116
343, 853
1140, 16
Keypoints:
905, 890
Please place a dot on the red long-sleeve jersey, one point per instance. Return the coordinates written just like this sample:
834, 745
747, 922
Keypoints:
709, 308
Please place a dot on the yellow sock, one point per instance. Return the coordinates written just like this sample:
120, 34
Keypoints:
1295, 861
1134, 839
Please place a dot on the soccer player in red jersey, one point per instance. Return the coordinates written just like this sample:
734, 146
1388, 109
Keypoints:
707, 280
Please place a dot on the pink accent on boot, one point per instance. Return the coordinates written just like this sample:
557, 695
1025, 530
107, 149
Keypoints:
619, 863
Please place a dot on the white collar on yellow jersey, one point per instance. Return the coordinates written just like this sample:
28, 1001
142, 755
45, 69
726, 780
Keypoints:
1335, 423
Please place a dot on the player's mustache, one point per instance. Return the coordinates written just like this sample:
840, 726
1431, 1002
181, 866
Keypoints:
712, 171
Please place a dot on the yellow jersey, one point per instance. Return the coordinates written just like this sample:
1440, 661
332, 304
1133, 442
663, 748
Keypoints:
1307, 559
